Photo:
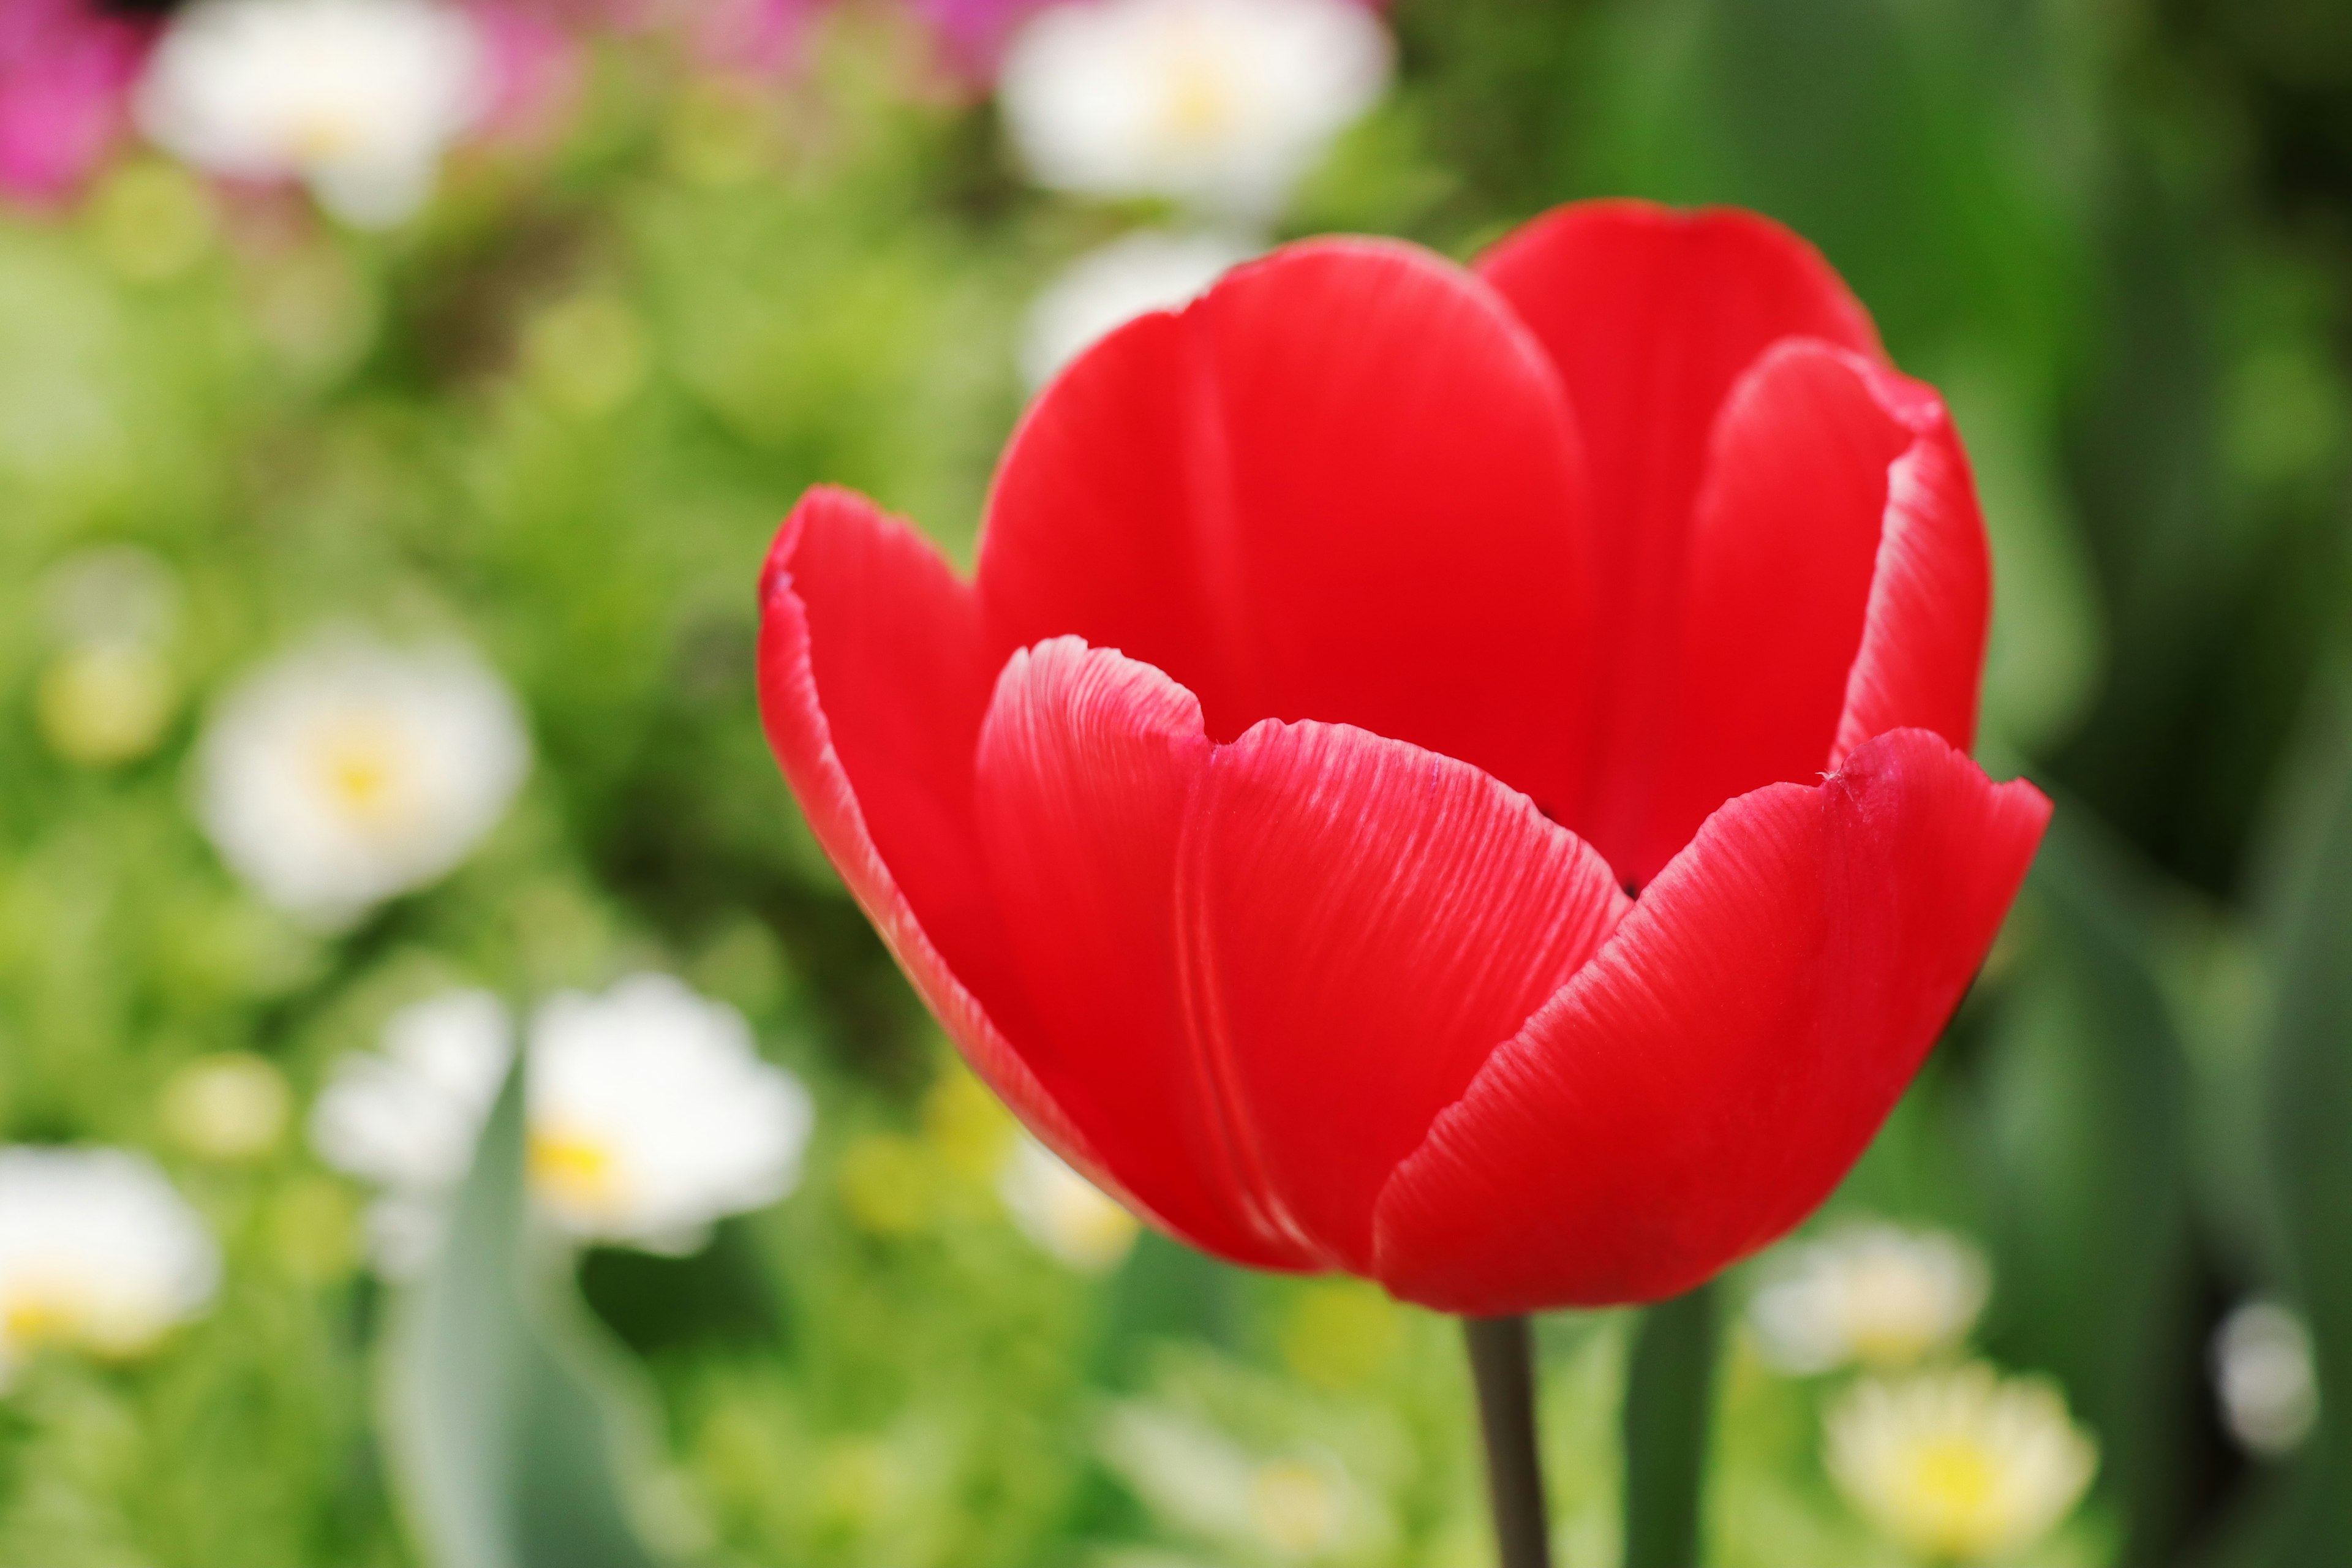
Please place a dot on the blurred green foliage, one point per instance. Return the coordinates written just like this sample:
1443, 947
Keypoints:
564, 414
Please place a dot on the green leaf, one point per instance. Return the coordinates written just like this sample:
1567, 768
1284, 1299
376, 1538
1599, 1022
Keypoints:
1669, 1397
510, 1428
2309, 1052
2088, 1112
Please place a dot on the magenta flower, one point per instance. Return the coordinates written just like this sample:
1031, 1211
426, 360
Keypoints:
65, 67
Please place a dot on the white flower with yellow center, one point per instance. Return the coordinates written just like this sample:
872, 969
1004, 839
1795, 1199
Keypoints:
1297, 1505
1219, 104
349, 771
1875, 1294
98, 1253
1063, 1211
650, 1116
2263, 1370
1960, 1466
356, 97
1150, 270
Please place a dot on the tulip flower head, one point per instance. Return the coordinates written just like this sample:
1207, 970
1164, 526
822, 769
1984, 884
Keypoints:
1221, 105
97, 1254
1875, 1294
1962, 1466
348, 772
650, 1116
357, 98
1347, 651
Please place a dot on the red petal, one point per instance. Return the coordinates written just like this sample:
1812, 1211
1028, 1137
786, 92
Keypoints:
872, 683
1835, 495
1363, 922
1706, 1079
1085, 764
1343, 486
1923, 640
1650, 316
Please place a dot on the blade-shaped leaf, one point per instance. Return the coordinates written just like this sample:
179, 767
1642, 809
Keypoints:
2309, 1052
508, 1427
2087, 1098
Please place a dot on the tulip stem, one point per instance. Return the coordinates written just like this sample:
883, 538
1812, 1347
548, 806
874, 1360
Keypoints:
1503, 1366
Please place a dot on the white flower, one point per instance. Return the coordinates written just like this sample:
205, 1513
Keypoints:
357, 98
406, 1120
1063, 1211
1295, 1505
1150, 270
98, 1253
650, 1116
1960, 1466
1221, 104
1873, 1293
347, 772
2261, 1367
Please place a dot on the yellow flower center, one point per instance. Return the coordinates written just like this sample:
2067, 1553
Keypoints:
1200, 103
361, 764
573, 1171
1954, 1500
322, 136
42, 1316
1293, 1507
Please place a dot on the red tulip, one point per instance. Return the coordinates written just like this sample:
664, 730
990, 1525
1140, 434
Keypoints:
1346, 651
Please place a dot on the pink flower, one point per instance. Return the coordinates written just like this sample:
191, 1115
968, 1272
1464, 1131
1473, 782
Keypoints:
64, 71
531, 66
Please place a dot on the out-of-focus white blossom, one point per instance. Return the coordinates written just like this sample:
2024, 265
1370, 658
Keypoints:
650, 1116
1875, 1294
347, 772
356, 97
1960, 1466
1220, 104
404, 1119
1298, 1505
98, 1253
1063, 1211
1150, 270
2262, 1371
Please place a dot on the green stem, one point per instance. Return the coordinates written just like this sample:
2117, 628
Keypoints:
1502, 1365
1669, 1392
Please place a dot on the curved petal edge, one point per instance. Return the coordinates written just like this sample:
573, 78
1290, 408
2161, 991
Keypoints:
1704, 1082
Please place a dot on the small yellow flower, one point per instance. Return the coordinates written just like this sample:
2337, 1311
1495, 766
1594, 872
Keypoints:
967, 1126
1961, 1465
884, 1184
232, 1106
105, 702
586, 355
1338, 1334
